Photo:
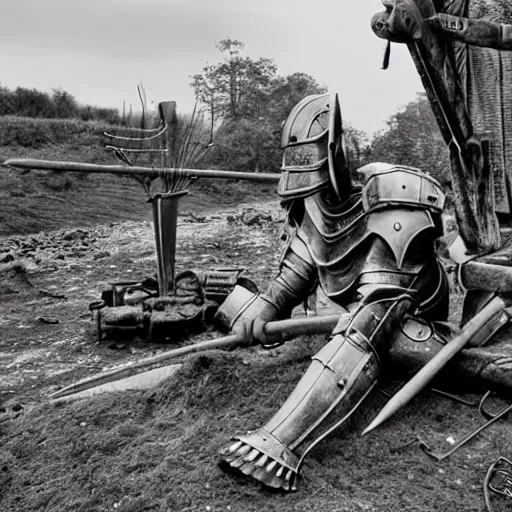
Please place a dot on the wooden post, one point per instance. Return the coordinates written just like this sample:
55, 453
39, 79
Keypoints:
168, 114
439, 65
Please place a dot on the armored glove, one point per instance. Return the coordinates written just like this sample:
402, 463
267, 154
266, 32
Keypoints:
250, 323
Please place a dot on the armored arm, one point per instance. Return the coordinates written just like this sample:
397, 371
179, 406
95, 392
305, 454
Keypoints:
296, 277
294, 281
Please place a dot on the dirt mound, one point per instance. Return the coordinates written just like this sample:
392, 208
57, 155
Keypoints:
138, 451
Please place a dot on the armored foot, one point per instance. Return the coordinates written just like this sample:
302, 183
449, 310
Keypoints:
261, 456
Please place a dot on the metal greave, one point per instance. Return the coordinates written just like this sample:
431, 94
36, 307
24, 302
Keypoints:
338, 380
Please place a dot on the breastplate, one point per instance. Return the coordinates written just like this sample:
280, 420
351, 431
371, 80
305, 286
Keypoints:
391, 244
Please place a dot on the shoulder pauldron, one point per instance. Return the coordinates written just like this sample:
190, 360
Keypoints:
331, 242
374, 231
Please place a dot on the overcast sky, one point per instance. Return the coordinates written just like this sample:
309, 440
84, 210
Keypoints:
99, 50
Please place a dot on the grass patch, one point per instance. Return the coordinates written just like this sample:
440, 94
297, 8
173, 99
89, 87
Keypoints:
29, 132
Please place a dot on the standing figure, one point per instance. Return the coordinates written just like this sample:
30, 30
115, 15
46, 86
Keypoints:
371, 249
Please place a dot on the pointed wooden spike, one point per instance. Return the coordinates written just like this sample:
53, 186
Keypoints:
434, 366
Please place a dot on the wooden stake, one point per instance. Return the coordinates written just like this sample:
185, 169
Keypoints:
293, 326
434, 366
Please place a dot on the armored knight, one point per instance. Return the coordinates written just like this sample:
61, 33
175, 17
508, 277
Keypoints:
371, 249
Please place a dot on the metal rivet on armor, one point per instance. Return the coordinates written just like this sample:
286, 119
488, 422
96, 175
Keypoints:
397, 226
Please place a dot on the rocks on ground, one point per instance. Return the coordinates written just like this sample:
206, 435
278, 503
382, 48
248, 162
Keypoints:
54, 248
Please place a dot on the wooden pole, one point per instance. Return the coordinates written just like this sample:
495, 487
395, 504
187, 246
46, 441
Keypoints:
293, 326
165, 225
51, 165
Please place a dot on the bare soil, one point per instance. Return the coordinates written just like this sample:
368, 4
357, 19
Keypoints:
157, 450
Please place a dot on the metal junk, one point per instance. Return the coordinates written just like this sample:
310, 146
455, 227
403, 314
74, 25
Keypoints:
168, 307
498, 480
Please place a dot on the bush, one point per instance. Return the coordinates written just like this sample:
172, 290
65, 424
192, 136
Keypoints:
33, 133
59, 105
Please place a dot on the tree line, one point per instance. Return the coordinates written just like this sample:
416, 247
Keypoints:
412, 138
246, 102
59, 104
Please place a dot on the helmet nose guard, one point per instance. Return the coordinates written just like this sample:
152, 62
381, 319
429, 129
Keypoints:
314, 156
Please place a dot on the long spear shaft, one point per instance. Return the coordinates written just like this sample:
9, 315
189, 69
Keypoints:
434, 366
293, 326
51, 165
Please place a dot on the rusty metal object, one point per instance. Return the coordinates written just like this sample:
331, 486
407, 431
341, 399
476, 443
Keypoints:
50, 165
135, 309
219, 283
498, 480
130, 309
493, 419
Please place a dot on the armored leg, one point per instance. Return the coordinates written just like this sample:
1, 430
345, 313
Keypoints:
475, 369
338, 380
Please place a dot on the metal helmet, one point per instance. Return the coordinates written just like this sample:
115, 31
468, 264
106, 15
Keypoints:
314, 156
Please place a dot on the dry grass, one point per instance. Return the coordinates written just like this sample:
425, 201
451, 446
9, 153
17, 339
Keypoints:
35, 201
